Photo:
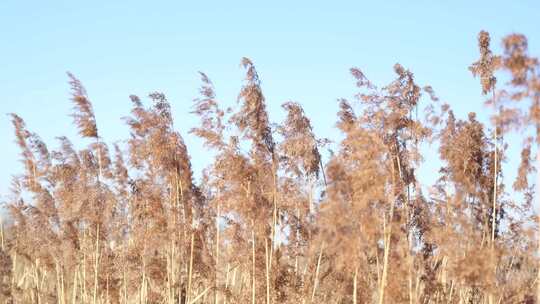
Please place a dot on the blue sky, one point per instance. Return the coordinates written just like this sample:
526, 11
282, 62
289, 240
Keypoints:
302, 50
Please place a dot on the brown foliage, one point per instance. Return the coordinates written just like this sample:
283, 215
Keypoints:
273, 224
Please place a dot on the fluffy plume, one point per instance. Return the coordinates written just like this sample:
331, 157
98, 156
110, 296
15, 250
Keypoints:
260, 226
83, 115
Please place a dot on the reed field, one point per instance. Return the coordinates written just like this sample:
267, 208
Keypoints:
279, 214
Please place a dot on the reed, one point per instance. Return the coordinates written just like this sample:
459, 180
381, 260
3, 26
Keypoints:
275, 218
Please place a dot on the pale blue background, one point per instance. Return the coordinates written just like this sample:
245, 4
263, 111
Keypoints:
302, 50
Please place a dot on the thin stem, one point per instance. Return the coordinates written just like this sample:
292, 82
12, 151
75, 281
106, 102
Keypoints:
216, 296
388, 236
316, 282
253, 265
355, 287
538, 217
267, 271
2, 245
96, 265
190, 266
495, 175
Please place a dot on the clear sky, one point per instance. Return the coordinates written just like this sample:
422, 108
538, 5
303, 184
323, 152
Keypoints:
302, 50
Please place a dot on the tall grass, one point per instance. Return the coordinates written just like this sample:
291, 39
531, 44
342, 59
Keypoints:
274, 219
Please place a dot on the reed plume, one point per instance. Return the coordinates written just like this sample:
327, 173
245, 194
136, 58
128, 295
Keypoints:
279, 214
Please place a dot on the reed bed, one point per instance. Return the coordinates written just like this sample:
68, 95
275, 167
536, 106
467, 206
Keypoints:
276, 216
